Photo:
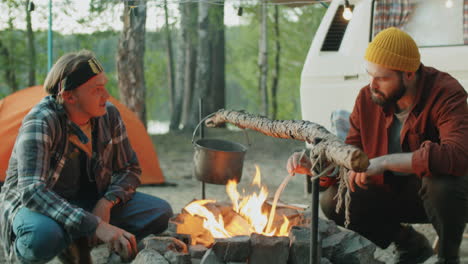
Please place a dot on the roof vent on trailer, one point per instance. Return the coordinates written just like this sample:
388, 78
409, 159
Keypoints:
336, 31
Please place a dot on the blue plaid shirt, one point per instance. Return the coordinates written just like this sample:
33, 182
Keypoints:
40, 152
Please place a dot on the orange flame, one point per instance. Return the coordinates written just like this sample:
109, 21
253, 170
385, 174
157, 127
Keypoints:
249, 219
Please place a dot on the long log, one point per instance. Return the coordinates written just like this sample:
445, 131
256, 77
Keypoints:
334, 149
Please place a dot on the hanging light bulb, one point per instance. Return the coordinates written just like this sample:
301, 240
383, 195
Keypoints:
449, 4
347, 13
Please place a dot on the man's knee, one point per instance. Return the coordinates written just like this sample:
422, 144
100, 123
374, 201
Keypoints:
328, 204
38, 238
143, 215
441, 191
164, 212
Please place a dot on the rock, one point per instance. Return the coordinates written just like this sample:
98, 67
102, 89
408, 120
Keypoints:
149, 256
177, 258
186, 238
232, 249
350, 248
211, 258
326, 227
163, 244
197, 251
267, 250
299, 252
196, 261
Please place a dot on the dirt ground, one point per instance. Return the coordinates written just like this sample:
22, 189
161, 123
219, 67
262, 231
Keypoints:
175, 152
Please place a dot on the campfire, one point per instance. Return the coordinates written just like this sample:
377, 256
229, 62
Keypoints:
246, 213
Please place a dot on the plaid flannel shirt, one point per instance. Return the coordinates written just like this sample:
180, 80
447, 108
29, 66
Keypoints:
39, 155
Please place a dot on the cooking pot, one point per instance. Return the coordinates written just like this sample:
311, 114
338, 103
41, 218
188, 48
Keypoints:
217, 161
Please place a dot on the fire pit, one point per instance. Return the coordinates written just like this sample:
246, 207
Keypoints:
238, 230
205, 220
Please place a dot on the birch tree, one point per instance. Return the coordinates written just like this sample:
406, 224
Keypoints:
131, 51
185, 66
210, 75
263, 57
276, 70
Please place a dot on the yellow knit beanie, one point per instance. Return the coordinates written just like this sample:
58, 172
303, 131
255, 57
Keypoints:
394, 49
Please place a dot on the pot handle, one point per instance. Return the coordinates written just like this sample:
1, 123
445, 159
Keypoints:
208, 116
199, 123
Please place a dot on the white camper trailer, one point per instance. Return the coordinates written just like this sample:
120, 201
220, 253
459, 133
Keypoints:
334, 71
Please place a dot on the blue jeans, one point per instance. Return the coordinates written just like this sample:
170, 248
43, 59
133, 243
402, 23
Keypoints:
39, 238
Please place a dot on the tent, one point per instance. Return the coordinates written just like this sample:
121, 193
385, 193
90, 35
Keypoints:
14, 107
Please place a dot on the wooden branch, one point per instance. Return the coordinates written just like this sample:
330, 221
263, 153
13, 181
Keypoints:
335, 150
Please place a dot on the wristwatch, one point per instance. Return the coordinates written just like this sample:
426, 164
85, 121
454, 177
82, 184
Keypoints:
112, 198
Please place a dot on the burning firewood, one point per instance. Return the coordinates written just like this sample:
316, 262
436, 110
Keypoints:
333, 148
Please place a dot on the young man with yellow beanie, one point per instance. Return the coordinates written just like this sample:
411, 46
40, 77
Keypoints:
412, 122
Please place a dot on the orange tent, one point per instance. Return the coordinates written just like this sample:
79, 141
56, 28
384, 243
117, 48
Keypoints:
14, 107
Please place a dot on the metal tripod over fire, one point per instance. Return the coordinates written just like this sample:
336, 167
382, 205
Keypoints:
326, 147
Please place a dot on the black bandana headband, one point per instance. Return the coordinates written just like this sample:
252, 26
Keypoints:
81, 75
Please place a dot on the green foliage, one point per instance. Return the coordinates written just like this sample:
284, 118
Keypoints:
156, 77
297, 28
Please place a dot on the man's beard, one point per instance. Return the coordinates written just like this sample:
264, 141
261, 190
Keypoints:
385, 101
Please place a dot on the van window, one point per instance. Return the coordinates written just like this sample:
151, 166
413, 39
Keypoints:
336, 31
433, 23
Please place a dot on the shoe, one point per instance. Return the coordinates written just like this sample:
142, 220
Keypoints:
448, 261
78, 252
414, 248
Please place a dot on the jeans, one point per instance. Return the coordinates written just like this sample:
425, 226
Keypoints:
376, 213
39, 238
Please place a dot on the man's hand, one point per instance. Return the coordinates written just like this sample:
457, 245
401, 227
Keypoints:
376, 167
119, 240
299, 162
103, 211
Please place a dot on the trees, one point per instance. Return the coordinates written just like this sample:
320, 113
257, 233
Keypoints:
234, 48
8, 47
276, 69
29, 7
130, 57
263, 57
210, 74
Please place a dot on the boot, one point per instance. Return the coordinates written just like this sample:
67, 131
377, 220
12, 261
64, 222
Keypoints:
448, 261
412, 247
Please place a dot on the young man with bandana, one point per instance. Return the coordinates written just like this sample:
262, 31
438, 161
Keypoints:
412, 122
72, 175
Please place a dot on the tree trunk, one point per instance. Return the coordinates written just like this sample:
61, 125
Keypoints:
9, 70
218, 61
170, 72
334, 149
210, 78
31, 47
185, 77
276, 70
263, 58
130, 63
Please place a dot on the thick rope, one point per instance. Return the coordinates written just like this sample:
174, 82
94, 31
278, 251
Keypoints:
318, 160
343, 190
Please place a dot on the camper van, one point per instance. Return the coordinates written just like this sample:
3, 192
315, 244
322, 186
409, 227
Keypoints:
334, 70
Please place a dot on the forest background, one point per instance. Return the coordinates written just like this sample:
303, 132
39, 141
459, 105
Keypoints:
252, 64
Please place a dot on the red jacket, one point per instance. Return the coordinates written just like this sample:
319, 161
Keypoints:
436, 129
